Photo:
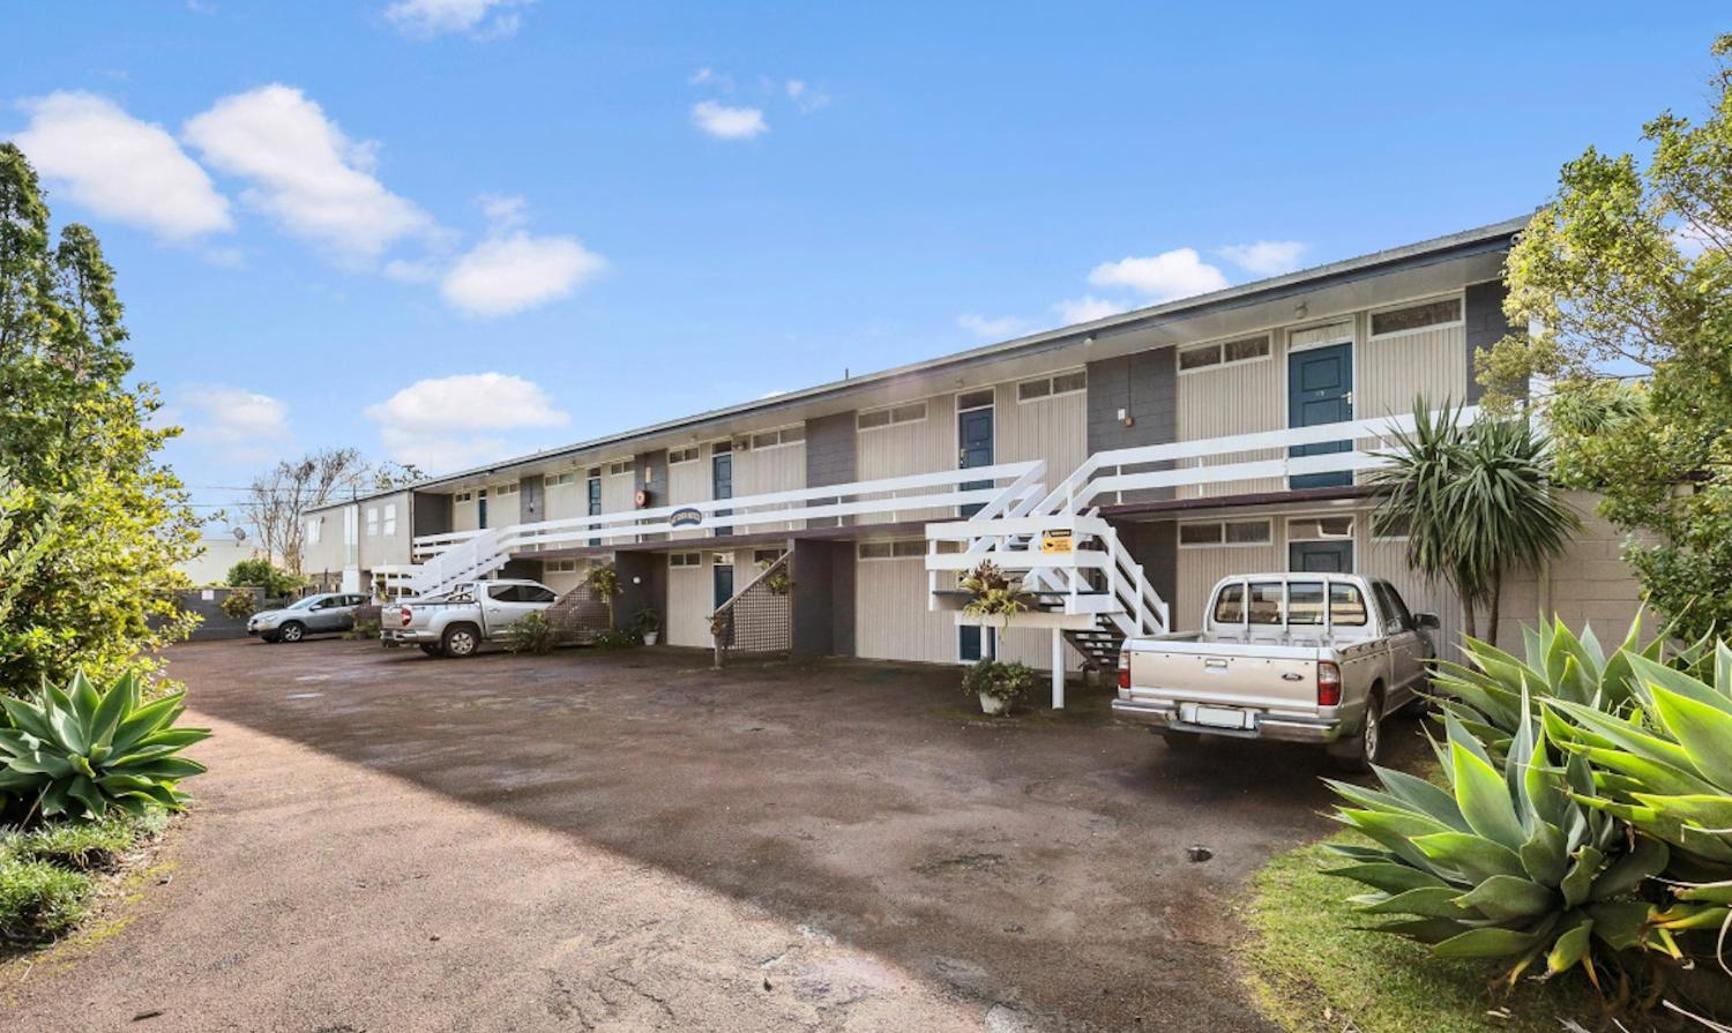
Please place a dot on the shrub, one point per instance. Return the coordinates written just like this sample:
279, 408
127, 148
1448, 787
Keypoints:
1006, 681
238, 605
993, 594
261, 573
613, 638
82, 751
1505, 864
532, 634
646, 621
39, 900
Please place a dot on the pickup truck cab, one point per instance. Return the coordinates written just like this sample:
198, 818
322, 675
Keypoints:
457, 623
1301, 657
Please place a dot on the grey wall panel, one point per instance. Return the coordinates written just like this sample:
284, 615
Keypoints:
830, 456
532, 499
431, 513
814, 596
844, 593
652, 476
642, 582
1144, 385
1486, 326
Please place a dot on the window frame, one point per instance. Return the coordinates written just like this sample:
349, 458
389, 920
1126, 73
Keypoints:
686, 560
889, 413
1267, 337
689, 454
372, 521
1223, 542
1459, 297
1052, 390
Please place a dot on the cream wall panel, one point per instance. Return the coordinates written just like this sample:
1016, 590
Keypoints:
891, 619
381, 547
690, 482
909, 448
1053, 429
758, 471
325, 555
1199, 569
690, 591
1242, 398
1395, 369
618, 491
463, 515
564, 501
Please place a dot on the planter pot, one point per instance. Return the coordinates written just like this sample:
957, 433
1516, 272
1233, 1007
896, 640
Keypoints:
649, 637
993, 705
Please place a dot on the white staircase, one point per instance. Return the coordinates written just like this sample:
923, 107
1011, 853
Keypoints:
466, 559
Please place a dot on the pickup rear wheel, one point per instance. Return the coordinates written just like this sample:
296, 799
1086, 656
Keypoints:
1365, 747
460, 641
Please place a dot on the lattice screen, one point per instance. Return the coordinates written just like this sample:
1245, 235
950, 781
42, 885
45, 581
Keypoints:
578, 616
760, 619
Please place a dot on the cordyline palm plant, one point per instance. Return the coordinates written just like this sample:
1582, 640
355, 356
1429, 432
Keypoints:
82, 751
1474, 501
1505, 862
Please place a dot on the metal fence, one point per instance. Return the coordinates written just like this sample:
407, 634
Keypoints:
578, 616
760, 617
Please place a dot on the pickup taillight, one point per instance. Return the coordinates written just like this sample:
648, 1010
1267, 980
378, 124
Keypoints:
1125, 670
403, 615
1328, 684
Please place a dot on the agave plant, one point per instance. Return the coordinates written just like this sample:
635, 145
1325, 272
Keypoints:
1665, 767
1486, 692
1506, 861
81, 751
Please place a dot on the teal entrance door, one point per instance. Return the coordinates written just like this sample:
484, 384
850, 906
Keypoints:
1320, 390
974, 433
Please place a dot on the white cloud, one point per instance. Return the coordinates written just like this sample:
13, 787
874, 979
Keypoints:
487, 19
1265, 257
1178, 273
449, 422
726, 123
981, 326
305, 172
503, 211
120, 167
1089, 308
804, 97
507, 274
245, 425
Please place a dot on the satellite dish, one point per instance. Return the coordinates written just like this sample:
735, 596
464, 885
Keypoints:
240, 533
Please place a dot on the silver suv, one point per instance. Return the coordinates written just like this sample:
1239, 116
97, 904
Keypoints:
320, 614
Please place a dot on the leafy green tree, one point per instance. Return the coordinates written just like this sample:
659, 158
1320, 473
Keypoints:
1627, 271
1476, 502
261, 573
110, 521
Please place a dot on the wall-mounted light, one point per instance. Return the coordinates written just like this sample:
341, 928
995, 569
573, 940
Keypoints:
1301, 310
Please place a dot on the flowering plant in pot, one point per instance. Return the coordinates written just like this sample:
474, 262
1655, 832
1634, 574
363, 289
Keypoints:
648, 624
999, 685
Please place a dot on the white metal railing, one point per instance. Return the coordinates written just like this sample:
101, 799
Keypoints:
1011, 538
465, 555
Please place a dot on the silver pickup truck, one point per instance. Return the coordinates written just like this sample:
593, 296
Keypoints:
1316, 658
457, 623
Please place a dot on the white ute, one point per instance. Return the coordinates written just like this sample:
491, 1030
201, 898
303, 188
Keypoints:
1301, 657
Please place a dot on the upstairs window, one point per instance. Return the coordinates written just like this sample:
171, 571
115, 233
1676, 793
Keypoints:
685, 559
913, 412
1051, 387
1424, 316
569, 477
907, 548
1244, 349
777, 438
390, 521
372, 521
683, 455
619, 467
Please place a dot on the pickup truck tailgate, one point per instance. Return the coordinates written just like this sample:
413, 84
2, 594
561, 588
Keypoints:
1268, 676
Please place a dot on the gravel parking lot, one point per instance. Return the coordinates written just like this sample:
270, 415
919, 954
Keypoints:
629, 840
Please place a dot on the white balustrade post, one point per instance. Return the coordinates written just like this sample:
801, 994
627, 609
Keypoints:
1057, 669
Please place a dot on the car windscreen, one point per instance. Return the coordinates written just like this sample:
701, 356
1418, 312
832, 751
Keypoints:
305, 604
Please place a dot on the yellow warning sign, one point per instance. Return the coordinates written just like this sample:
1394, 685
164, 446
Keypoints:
1055, 541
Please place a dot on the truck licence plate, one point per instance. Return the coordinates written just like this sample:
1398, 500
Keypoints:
1216, 717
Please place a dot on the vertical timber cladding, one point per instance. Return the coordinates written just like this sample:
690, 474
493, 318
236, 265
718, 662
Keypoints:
1132, 401
686, 617
830, 457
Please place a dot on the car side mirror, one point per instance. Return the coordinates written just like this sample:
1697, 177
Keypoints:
1426, 621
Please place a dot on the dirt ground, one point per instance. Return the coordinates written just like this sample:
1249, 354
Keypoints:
630, 841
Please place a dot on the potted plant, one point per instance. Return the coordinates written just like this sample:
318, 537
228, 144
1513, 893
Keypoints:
604, 581
648, 624
993, 594
999, 686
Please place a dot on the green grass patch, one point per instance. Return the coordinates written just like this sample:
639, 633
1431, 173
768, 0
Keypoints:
48, 875
1312, 968
40, 900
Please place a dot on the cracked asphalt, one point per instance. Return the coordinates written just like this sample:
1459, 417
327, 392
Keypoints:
630, 841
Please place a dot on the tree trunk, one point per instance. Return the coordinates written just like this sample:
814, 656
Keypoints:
1496, 605
1467, 624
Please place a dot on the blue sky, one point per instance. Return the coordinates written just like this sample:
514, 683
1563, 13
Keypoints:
450, 230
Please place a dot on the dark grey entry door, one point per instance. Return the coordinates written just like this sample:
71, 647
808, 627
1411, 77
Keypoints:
974, 434
1320, 557
1320, 390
